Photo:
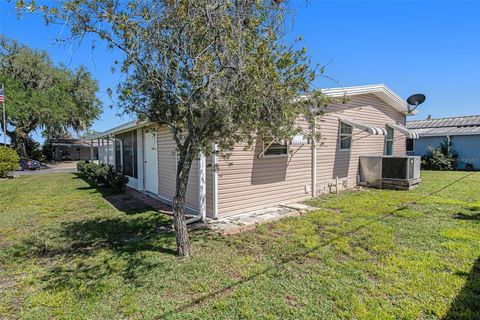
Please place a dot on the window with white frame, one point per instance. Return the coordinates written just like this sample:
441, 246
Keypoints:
274, 148
410, 145
346, 132
389, 141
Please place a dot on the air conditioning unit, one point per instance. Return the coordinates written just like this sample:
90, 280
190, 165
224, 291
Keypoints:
389, 172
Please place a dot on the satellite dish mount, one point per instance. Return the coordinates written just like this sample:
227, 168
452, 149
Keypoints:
414, 101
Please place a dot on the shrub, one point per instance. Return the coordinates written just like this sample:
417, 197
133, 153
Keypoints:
441, 158
81, 166
103, 175
8, 161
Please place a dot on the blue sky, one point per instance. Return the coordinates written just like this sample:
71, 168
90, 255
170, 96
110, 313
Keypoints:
431, 47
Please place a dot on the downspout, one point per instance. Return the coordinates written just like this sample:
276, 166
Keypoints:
314, 157
202, 191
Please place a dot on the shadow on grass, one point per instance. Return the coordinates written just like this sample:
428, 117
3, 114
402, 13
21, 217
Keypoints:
473, 215
121, 201
301, 254
467, 304
84, 253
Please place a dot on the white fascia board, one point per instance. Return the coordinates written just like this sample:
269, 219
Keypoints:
380, 90
118, 129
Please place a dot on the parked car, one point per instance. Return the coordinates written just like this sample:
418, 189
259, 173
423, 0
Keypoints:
29, 164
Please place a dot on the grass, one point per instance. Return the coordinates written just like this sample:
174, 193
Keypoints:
67, 254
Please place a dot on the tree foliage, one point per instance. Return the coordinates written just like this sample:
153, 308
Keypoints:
441, 158
8, 161
40, 95
212, 71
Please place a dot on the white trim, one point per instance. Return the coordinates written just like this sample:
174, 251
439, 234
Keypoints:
340, 139
215, 181
387, 141
202, 186
135, 124
314, 157
380, 90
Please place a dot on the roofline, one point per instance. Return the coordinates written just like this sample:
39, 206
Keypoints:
454, 117
426, 134
380, 90
134, 124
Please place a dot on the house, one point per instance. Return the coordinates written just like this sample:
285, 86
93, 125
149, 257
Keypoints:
73, 149
372, 122
463, 134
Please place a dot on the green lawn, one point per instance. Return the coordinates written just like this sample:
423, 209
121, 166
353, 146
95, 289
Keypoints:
67, 254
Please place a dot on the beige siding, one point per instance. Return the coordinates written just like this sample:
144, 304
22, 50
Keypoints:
247, 181
167, 171
332, 162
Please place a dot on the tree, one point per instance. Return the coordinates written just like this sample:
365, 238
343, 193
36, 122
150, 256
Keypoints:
8, 161
212, 71
42, 96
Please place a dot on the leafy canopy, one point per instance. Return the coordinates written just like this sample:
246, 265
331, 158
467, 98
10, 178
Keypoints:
42, 96
211, 70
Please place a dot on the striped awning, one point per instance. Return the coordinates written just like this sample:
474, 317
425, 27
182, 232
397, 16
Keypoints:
371, 129
403, 130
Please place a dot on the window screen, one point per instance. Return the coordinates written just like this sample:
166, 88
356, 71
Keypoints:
274, 149
345, 136
410, 145
389, 141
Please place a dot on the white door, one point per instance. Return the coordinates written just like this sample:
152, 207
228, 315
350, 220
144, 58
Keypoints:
151, 162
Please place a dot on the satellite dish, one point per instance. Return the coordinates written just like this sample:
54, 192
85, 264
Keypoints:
414, 101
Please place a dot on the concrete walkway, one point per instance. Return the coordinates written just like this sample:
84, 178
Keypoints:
249, 220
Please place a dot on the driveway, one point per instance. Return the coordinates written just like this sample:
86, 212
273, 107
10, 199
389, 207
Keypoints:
66, 166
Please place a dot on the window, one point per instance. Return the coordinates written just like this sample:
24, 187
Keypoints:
274, 149
410, 145
345, 136
129, 141
389, 141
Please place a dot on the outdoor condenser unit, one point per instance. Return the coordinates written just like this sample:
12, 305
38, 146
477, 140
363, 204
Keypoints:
389, 172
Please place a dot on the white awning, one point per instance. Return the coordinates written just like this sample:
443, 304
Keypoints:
403, 130
365, 127
300, 138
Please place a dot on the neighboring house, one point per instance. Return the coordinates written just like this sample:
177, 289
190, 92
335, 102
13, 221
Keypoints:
73, 149
463, 133
372, 122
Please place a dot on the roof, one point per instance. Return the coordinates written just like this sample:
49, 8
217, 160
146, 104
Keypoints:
118, 129
445, 122
464, 125
69, 143
380, 90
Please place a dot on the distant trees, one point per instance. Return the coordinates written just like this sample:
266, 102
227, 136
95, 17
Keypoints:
42, 96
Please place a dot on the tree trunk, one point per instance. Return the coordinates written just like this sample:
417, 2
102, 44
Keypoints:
184, 163
18, 141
